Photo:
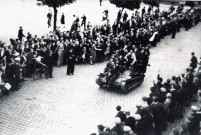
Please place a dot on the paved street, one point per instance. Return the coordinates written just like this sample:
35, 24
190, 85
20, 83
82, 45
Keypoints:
75, 105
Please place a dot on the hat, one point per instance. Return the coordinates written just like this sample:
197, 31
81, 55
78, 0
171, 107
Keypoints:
172, 89
16, 54
163, 89
117, 120
126, 128
168, 95
17, 59
137, 116
194, 108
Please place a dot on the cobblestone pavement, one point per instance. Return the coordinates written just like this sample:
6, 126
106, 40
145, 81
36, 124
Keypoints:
75, 105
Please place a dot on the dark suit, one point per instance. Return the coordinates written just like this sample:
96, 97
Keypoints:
20, 34
49, 63
70, 64
158, 117
30, 63
16, 74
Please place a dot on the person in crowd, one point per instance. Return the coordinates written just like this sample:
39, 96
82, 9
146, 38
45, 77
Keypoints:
16, 73
63, 20
49, 62
118, 128
125, 16
120, 114
49, 18
143, 11
20, 34
105, 17
30, 62
70, 63
194, 61
119, 16
84, 18
60, 50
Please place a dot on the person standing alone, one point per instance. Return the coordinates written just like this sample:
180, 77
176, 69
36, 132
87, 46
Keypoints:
49, 18
63, 20
20, 34
84, 21
50, 63
70, 63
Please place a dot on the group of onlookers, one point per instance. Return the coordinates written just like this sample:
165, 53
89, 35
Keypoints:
93, 44
165, 103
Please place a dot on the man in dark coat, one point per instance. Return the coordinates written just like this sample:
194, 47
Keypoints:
194, 61
120, 114
63, 20
30, 62
16, 73
119, 16
49, 16
125, 17
174, 28
20, 34
49, 63
158, 117
70, 63
84, 21
143, 11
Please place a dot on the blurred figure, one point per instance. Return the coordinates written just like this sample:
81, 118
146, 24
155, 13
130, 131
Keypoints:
84, 21
20, 34
49, 18
63, 20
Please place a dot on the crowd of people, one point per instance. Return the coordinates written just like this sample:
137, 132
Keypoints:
165, 103
126, 38
127, 42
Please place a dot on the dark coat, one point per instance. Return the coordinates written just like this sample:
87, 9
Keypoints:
158, 115
15, 69
20, 33
49, 60
62, 19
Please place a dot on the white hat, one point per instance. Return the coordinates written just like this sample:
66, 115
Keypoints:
17, 59
172, 89
16, 54
126, 128
137, 117
168, 95
194, 108
163, 89
117, 120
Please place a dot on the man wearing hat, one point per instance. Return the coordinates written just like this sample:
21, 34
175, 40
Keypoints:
16, 73
174, 27
49, 62
120, 114
194, 61
20, 34
118, 128
158, 113
101, 130
70, 63
130, 121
